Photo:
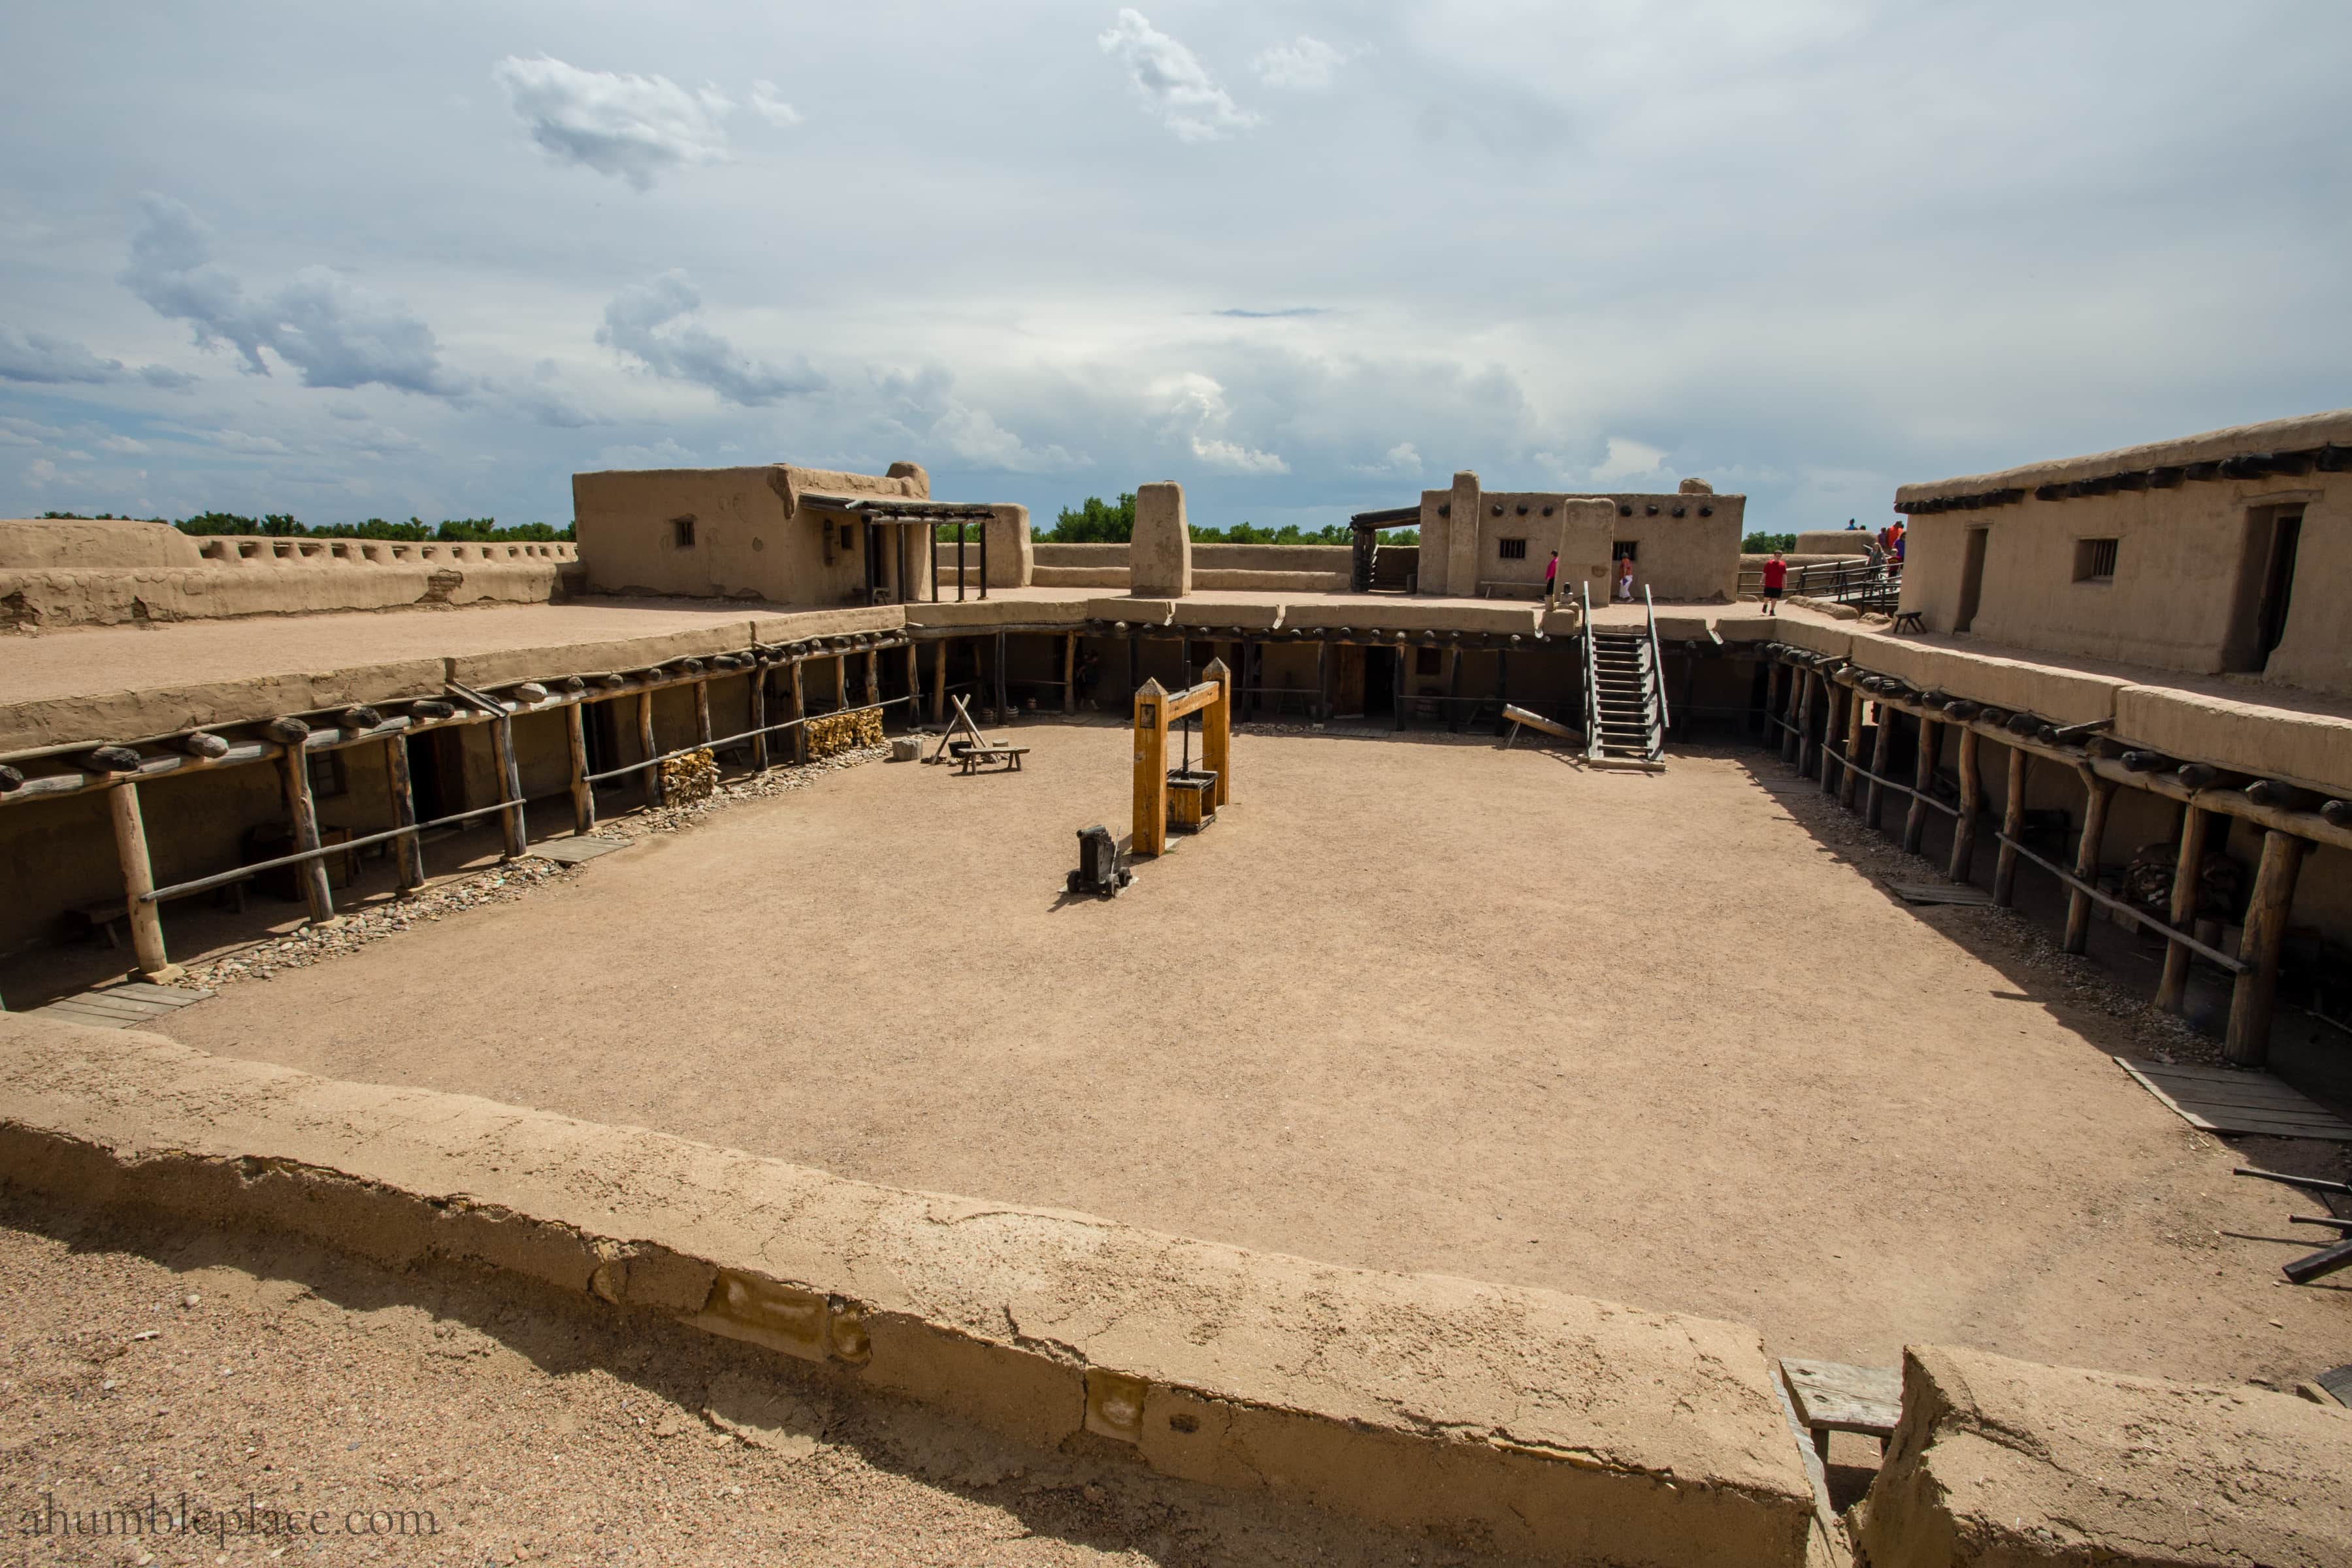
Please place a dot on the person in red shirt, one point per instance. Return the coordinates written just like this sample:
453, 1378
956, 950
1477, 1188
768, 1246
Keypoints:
1776, 582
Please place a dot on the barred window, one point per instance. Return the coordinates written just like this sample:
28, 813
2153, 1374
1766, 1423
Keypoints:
2095, 560
1512, 549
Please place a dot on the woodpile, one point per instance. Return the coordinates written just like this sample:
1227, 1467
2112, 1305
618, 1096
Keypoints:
689, 776
833, 733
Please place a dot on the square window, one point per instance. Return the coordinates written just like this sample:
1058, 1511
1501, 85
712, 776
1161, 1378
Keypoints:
1625, 550
681, 530
327, 777
2095, 560
848, 537
1512, 549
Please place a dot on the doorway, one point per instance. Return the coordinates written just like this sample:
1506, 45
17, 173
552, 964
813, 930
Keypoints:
1380, 680
436, 773
2278, 586
1972, 562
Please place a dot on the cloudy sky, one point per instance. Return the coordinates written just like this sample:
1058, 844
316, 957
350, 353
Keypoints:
358, 260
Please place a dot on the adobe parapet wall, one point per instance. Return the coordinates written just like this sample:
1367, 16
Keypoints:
1533, 1423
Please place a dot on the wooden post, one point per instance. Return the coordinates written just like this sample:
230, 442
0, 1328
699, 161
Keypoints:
2188, 883
409, 850
1795, 741
1322, 708
655, 794
1833, 732
1923, 775
873, 677
2086, 858
1773, 673
510, 785
1070, 674
939, 681
2255, 998
583, 793
1848, 779
139, 879
1397, 685
800, 711
1453, 689
760, 698
959, 573
294, 769
1964, 826
1003, 694
2013, 826
1150, 832
1217, 731
702, 730
913, 685
1880, 750
1502, 688
840, 681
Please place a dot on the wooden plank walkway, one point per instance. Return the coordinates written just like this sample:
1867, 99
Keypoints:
130, 1005
2217, 1100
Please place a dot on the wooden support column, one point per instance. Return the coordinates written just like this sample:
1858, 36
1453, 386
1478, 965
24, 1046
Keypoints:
1003, 694
1964, 826
939, 681
1848, 779
1502, 688
139, 879
583, 793
702, 730
1217, 730
2255, 998
1833, 732
873, 677
800, 713
1453, 689
1774, 672
760, 704
1322, 708
1881, 749
1150, 832
2099, 792
510, 785
2188, 883
1397, 688
655, 794
2013, 826
840, 681
294, 771
1923, 775
409, 850
913, 685
1070, 674
1134, 662
1793, 741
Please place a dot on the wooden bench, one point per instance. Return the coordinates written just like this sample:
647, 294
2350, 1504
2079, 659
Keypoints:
108, 915
976, 757
1908, 620
1831, 1397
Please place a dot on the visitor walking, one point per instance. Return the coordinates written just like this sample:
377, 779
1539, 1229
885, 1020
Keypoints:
1776, 583
1625, 579
1552, 578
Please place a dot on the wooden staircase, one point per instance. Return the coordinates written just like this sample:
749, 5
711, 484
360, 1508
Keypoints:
1624, 697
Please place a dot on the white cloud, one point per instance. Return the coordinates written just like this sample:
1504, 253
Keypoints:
663, 454
649, 322
238, 441
40, 359
634, 127
1304, 64
931, 411
768, 103
1199, 401
1174, 81
1627, 459
1402, 460
333, 331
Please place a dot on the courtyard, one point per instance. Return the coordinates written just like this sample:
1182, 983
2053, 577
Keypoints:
1422, 1004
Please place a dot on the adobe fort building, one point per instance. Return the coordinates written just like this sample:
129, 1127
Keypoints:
2111, 695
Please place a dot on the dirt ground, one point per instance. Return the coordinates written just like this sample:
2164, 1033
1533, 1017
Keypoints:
1418, 1003
448, 1417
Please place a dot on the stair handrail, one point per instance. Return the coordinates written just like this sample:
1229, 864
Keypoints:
1592, 680
1657, 674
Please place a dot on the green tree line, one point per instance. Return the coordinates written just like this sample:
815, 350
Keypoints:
279, 525
1098, 522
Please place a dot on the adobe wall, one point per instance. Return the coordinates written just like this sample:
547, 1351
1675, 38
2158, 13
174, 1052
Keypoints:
2183, 560
752, 540
1266, 568
1686, 544
2005, 1462
1836, 542
1535, 1423
37, 543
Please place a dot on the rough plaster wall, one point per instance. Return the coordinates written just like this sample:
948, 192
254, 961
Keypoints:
2317, 652
40, 543
1465, 540
1011, 558
1159, 558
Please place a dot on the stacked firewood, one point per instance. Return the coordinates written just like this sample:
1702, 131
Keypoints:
2148, 882
836, 732
689, 776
